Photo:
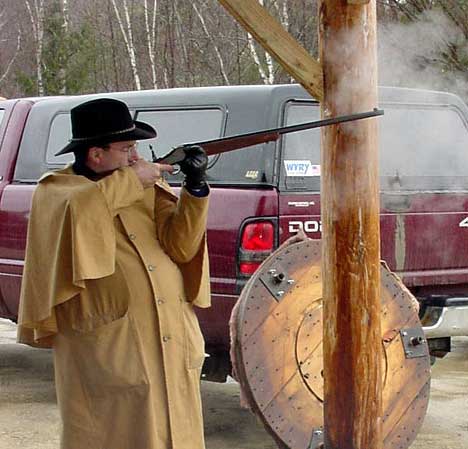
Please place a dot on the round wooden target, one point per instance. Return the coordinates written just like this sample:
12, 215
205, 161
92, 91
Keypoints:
277, 351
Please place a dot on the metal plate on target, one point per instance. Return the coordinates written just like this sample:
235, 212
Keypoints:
278, 358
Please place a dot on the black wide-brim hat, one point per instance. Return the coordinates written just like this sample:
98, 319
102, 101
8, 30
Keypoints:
101, 121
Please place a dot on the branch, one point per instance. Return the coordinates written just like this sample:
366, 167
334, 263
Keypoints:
266, 78
208, 35
253, 52
66, 17
150, 39
128, 39
18, 47
31, 16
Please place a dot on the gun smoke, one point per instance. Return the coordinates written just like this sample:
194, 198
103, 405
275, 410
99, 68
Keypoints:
427, 54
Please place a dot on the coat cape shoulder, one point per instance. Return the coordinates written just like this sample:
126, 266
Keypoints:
71, 239
63, 250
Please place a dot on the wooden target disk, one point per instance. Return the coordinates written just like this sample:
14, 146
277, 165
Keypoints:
276, 330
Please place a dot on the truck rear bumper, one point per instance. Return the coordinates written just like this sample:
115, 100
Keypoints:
452, 317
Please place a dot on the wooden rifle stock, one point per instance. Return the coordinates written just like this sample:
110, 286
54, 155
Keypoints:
231, 143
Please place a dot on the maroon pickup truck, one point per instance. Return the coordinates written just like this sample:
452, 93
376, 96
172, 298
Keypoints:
264, 194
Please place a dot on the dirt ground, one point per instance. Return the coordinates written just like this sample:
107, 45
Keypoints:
29, 417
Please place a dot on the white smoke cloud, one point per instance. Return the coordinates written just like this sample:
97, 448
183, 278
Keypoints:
411, 55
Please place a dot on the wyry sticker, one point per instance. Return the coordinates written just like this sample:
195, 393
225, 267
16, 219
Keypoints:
301, 168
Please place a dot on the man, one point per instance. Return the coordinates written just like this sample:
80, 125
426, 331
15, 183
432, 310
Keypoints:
114, 264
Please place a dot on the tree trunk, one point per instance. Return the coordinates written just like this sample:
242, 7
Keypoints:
268, 76
269, 33
62, 73
127, 34
36, 15
213, 42
7, 69
151, 38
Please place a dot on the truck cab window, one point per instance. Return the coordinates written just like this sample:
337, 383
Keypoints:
423, 148
177, 126
300, 169
60, 134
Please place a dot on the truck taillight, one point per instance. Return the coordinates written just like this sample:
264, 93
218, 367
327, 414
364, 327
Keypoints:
248, 268
258, 236
256, 243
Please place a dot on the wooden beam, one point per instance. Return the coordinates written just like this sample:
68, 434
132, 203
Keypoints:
271, 35
351, 237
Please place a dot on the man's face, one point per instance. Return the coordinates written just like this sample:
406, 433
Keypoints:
117, 155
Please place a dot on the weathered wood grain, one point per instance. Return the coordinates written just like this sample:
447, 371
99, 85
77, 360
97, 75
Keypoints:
280, 357
350, 223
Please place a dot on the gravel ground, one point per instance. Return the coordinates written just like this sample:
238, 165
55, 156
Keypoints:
29, 416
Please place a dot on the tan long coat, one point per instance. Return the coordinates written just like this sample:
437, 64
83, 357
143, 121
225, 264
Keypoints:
111, 274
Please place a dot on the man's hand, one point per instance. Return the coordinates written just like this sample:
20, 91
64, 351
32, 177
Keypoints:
148, 173
194, 167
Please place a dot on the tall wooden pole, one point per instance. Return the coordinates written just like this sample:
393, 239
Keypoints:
350, 217
350, 207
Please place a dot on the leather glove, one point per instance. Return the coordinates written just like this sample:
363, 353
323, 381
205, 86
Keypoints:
194, 167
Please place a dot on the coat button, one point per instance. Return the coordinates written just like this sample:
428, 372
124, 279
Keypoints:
132, 236
160, 301
166, 338
151, 267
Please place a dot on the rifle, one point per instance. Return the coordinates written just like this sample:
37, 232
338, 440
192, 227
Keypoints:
225, 144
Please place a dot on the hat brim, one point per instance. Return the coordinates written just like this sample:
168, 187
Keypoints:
142, 131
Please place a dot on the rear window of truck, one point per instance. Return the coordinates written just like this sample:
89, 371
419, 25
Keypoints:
301, 150
173, 126
422, 147
176, 127
237, 167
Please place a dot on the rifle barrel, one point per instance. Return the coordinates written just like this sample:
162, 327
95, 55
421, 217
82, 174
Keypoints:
225, 144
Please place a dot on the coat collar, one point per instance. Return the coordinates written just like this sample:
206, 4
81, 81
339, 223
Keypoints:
161, 184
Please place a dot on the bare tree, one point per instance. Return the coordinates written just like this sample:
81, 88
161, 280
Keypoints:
268, 75
62, 73
169, 43
150, 26
66, 15
183, 27
213, 42
9, 64
283, 12
36, 14
127, 34
426, 42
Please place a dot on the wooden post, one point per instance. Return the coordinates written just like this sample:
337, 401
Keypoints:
271, 35
350, 217
350, 206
